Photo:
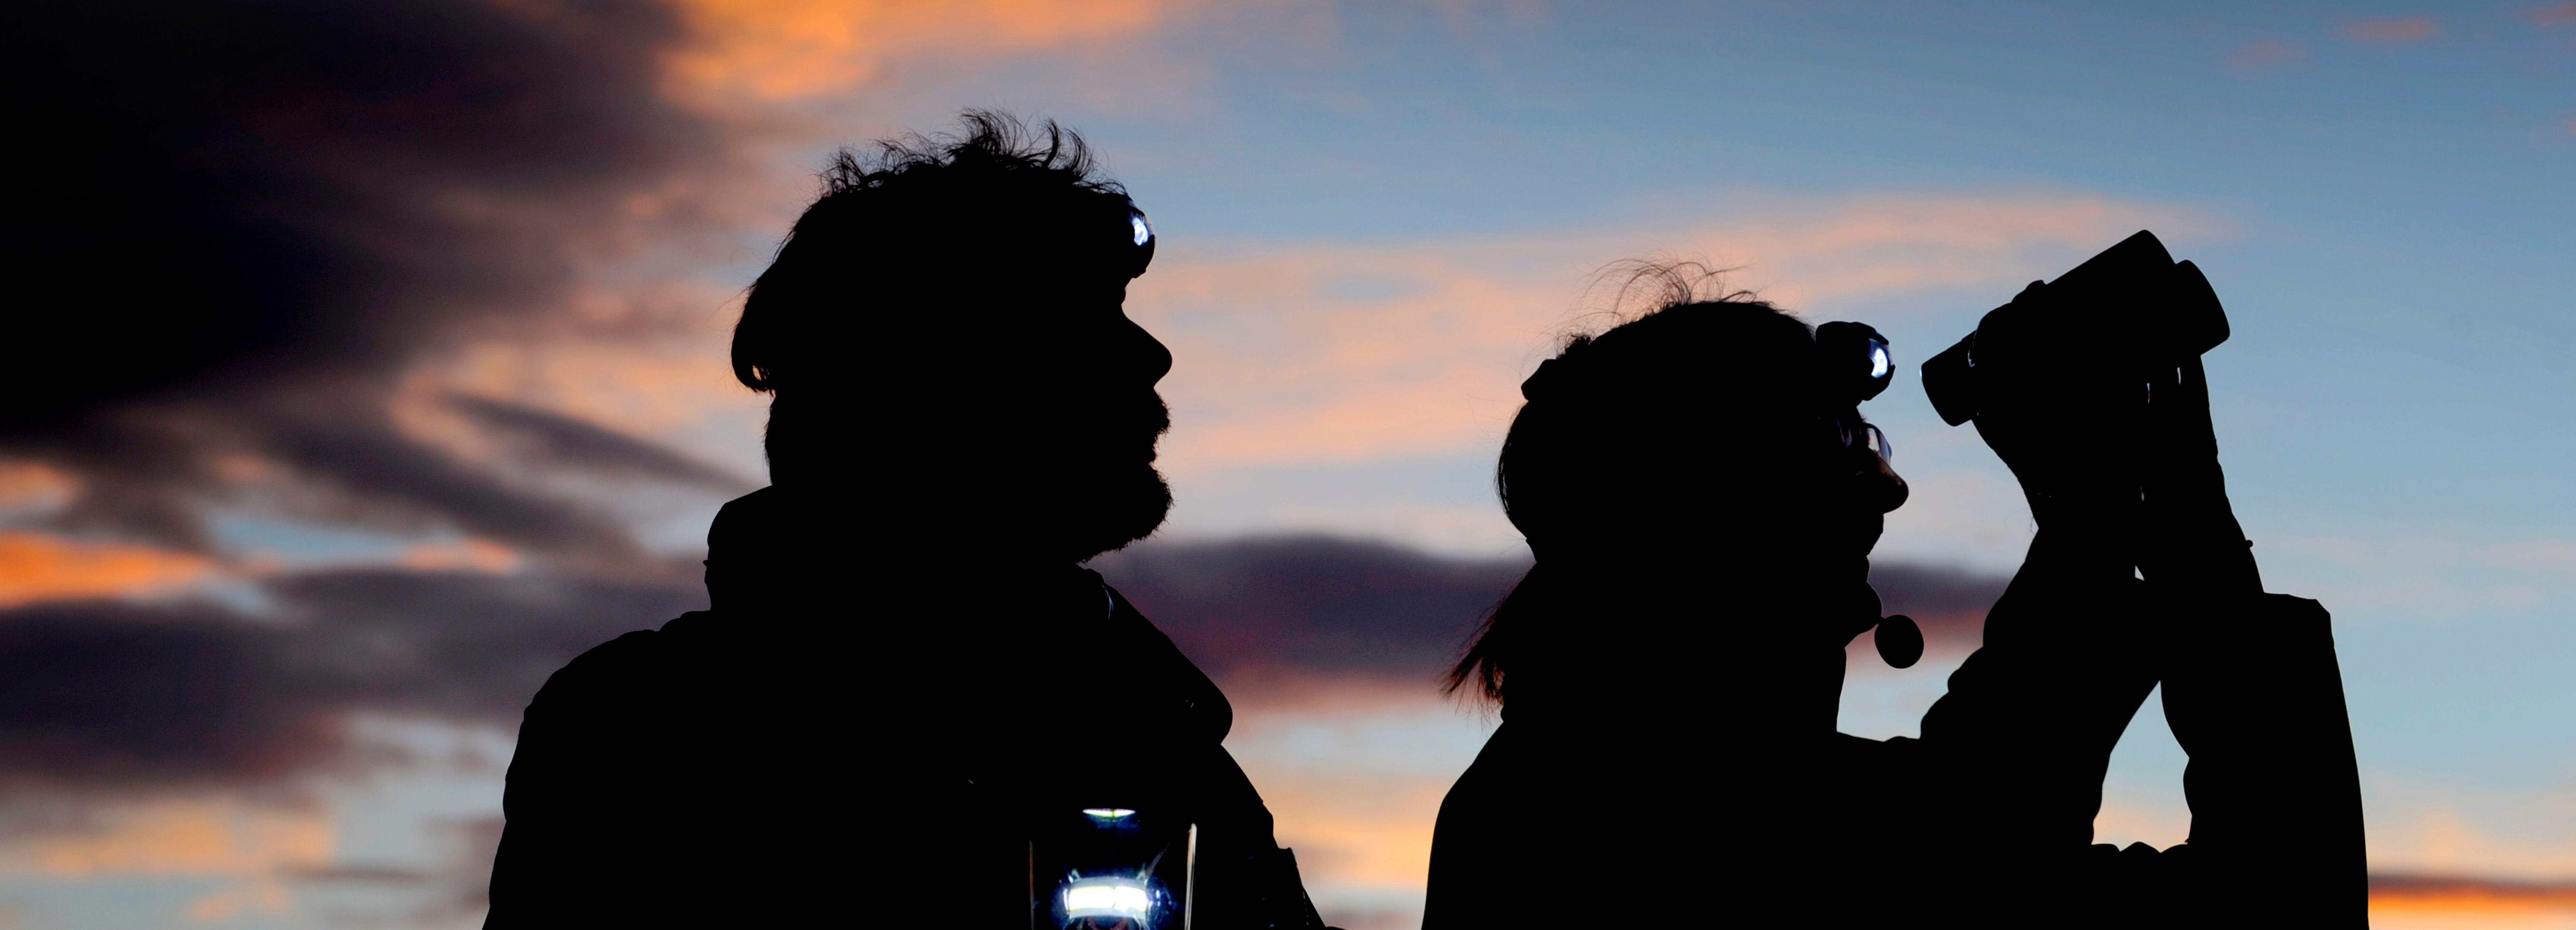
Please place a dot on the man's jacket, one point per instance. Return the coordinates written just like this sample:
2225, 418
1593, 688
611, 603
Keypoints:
834, 744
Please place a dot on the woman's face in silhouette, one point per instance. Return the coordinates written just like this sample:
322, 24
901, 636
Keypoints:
1830, 542
1788, 522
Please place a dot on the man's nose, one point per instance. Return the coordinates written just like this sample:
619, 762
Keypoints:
1151, 358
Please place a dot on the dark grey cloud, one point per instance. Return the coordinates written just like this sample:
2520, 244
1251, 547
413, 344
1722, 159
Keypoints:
119, 697
111, 695
2559, 893
1309, 602
1354, 607
236, 224
1949, 602
552, 438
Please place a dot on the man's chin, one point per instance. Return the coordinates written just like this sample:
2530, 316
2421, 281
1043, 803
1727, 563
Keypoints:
1111, 513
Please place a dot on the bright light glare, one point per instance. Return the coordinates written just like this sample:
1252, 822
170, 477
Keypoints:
1878, 363
1136, 222
1107, 897
1107, 813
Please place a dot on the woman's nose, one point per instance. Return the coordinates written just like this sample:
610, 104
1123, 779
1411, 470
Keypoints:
1882, 489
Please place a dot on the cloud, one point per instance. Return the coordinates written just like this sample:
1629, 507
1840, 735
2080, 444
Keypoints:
2552, 14
1261, 613
103, 696
1312, 352
2411, 891
459, 882
258, 219
2392, 31
194, 836
120, 698
1310, 603
40, 566
1949, 603
2266, 54
555, 439
775, 50
115, 698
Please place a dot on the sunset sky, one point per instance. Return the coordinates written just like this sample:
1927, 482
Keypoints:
410, 383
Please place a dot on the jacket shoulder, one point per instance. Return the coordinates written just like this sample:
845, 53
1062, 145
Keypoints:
606, 671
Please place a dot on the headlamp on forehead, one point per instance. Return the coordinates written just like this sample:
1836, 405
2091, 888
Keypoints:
1854, 363
1140, 237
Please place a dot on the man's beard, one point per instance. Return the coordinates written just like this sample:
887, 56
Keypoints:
1114, 496
1114, 508
1069, 483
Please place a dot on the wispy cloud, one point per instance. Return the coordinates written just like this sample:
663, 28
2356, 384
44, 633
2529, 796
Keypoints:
2554, 14
2394, 31
2265, 55
1317, 352
2407, 891
776, 50
182, 836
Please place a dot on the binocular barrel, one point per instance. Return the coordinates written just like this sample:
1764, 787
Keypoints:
2130, 310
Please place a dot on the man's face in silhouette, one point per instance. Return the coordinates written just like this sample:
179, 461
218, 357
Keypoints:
1059, 415
1012, 410
1085, 373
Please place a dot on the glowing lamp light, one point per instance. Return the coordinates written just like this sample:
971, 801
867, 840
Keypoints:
1107, 813
1878, 363
1136, 224
1117, 898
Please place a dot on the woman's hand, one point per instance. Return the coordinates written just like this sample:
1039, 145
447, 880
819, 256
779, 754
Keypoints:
2192, 539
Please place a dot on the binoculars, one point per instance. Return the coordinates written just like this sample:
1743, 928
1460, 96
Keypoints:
2129, 311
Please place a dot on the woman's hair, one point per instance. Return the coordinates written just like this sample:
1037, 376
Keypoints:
1709, 384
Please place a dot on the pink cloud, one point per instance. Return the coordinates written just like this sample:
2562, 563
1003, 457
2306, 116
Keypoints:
1320, 352
2266, 54
2392, 31
2553, 14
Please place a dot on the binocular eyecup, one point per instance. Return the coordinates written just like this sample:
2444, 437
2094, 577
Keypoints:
2130, 310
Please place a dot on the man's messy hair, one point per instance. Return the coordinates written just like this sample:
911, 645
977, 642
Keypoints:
990, 145
892, 217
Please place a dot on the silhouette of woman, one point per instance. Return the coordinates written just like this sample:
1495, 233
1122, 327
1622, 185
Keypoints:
1702, 495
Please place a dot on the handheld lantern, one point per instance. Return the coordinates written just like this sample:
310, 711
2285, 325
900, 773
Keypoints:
1111, 868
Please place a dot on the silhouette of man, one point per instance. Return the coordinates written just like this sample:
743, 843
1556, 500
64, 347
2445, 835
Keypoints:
904, 663
1702, 496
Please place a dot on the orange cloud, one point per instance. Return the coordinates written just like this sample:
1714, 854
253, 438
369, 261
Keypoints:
788, 49
42, 567
182, 837
2392, 31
